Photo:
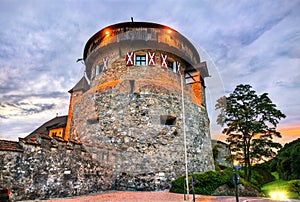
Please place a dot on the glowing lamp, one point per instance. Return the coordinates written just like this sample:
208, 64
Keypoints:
278, 195
107, 33
169, 31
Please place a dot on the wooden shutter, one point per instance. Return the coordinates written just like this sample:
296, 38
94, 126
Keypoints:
130, 59
151, 58
163, 59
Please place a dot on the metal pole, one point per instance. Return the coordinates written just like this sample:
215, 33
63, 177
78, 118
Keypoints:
184, 189
236, 183
184, 139
193, 188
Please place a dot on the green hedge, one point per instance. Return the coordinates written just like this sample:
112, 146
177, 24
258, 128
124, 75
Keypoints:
206, 182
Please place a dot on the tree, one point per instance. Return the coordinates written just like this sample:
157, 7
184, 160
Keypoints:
249, 121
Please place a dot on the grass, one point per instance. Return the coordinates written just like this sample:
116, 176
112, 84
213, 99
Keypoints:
278, 186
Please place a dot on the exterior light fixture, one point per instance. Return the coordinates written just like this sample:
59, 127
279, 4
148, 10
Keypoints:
278, 195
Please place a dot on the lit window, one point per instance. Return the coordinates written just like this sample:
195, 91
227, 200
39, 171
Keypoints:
140, 60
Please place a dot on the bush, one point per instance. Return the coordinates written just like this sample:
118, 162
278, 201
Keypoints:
177, 185
294, 186
206, 182
261, 174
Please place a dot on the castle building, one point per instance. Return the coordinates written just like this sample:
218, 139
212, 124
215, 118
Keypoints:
136, 118
127, 109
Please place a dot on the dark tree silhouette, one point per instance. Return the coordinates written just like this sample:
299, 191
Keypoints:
249, 121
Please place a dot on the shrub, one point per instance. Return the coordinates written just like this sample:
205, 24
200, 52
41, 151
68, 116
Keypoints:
261, 174
294, 186
177, 185
206, 182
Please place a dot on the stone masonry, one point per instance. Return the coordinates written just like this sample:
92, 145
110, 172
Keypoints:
130, 117
50, 169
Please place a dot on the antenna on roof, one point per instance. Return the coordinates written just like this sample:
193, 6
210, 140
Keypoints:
131, 19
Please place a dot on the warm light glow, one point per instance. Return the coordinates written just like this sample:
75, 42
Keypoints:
107, 32
169, 31
278, 195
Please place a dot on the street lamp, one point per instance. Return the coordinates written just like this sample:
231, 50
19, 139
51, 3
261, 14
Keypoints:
184, 139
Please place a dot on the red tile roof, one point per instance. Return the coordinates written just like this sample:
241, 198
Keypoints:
32, 141
7, 145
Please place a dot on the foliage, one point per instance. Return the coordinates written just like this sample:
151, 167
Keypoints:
250, 122
177, 185
287, 162
294, 186
209, 181
261, 174
206, 182
249, 184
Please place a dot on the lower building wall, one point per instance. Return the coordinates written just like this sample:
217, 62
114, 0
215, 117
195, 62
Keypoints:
127, 128
39, 173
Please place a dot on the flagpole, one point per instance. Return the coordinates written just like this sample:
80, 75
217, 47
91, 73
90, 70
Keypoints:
184, 139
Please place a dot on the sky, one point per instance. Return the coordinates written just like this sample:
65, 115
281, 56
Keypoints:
243, 42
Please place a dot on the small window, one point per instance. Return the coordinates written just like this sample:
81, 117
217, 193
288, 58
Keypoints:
192, 77
170, 65
140, 60
99, 69
167, 120
94, 120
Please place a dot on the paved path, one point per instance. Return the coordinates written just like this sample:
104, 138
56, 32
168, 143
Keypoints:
162, 196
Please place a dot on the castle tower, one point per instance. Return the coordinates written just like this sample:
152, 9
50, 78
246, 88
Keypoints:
127, 109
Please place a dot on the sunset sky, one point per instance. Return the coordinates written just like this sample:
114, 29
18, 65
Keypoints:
244, 42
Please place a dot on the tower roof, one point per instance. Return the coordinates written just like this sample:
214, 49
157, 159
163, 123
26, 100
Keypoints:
140, 31
121, 28
82, 85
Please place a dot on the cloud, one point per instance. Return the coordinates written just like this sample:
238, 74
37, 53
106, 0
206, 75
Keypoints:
23, 105
253, 42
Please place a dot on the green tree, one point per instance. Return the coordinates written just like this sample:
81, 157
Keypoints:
249, 121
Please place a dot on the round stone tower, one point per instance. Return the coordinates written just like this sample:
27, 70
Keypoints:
128, 111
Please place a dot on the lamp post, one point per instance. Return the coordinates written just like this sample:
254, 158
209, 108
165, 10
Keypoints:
184, 140
236, 181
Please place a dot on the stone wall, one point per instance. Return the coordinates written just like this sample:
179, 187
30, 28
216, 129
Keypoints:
221, 153
131, 119
42, 172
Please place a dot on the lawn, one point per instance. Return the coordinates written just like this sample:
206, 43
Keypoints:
278, 186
